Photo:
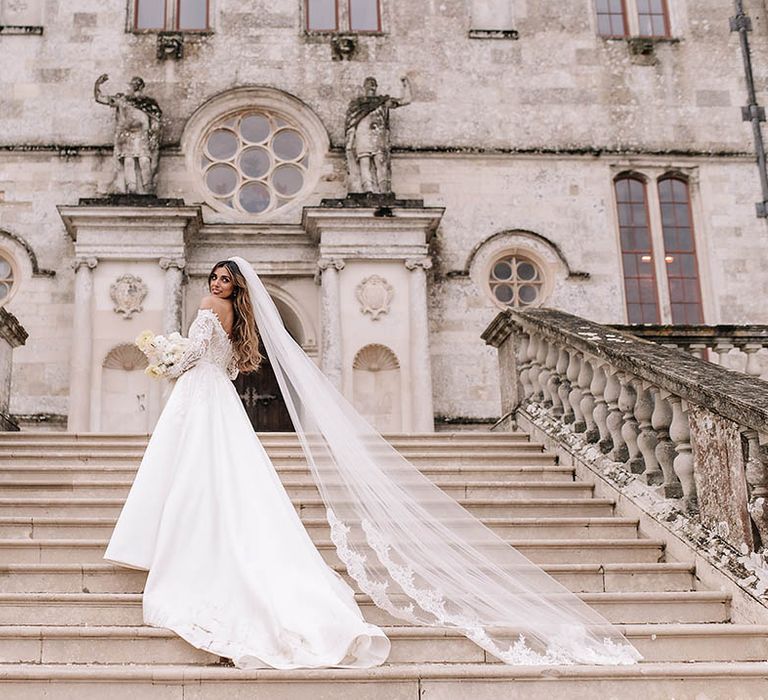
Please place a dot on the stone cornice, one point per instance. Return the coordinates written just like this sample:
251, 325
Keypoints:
11, 330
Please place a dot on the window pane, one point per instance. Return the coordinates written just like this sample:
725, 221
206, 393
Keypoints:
364, 15
321, 15
193, 14
643, 6
150, 14
646, 26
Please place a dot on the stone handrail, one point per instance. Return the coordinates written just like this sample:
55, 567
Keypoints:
689, 428
742, 343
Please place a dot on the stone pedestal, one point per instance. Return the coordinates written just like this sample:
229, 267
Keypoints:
12, 335
130, 254
373, 265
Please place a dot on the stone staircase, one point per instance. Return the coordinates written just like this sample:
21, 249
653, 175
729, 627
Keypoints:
71, 626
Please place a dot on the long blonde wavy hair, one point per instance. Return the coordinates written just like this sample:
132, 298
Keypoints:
245, 337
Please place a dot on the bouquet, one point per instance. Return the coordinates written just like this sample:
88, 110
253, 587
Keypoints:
161, 351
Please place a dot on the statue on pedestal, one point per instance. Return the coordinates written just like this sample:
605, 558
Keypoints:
367, 138
137, 137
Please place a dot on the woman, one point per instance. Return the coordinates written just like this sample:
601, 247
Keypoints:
231, 569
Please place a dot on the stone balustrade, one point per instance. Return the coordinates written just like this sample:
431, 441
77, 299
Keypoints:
691, 430
734, 347
12, 335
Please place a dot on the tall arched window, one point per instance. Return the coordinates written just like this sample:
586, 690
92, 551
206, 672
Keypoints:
680, 251
636, 250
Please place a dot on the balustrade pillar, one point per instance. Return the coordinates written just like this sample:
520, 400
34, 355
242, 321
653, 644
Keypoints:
756, 472
661, 419
629, 428
587, 405
647, 440
553, 380
525, 365
564, 388
752, 366
81, 359
680, 433
541, 355
574, 395
600, 413
619, 452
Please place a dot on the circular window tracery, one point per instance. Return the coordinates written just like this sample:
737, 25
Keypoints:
254, 162
6, 279
515, 281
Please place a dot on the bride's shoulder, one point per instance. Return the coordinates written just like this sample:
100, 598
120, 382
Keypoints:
212, 303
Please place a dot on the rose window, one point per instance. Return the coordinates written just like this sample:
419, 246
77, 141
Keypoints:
6, 279
516, 281
254, 162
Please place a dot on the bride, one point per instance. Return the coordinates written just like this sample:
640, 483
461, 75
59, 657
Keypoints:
231, 568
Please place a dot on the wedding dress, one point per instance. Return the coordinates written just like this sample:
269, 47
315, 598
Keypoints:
231, 568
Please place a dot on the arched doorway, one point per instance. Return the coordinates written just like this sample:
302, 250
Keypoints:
260, 392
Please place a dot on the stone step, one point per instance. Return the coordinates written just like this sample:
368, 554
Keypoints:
48, 551
681, 681
125, 608
314, 508
307, 489
108, 578
48, 644
19, 527
288, 473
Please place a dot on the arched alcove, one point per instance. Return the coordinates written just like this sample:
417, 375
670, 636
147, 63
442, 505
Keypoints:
128, 396
377, 387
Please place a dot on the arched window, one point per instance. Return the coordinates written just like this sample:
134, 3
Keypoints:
680, 251
6, 278
611, 18
636, 250
652, 16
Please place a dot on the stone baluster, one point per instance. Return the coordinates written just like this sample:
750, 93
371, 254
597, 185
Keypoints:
79, 419
421, 364
600, 414
661, 419
619, 452
541, 354
587, 405
752, 366
535, 368
698, 350
574, 396
680, 434
646, 440
330, 313
547, 349
722, 348
525, 365
561, 368
553, 380
629, 428
756, 472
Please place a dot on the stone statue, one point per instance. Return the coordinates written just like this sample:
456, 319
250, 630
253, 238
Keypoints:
137, 136
367, 138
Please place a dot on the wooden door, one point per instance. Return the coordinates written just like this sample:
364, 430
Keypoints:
263, 400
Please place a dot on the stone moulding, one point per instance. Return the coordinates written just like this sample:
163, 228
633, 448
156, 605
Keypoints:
127, 293
375, 296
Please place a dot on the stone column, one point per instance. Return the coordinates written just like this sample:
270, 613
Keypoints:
174, 274
330, 318
12, 335
82, 348
421, 366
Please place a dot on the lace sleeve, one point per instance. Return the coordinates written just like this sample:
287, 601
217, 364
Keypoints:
232, 370
200, 334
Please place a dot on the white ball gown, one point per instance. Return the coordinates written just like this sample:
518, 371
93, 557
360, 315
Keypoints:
231, 568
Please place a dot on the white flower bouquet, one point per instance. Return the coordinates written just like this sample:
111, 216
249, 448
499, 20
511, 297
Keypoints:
161, 351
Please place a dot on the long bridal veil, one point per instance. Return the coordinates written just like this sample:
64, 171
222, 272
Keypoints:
414, 550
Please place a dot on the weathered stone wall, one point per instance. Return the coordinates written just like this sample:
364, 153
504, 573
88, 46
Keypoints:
507, 135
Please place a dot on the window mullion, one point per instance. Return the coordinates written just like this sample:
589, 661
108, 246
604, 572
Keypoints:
344, 15
659, 250
632, 17
171, 15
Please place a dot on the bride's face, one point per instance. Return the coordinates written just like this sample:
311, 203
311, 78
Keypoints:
221, 284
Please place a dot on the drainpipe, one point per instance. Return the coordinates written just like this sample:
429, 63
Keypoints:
742, 24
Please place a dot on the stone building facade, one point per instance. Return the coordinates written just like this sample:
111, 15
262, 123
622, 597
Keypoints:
525, 121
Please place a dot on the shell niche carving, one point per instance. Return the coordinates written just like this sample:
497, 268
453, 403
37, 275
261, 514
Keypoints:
375, 296
126, 357
375, 358
127, 293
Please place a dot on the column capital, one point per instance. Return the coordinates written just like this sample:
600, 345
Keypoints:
324, 263
91, 262
167, 263
424, 263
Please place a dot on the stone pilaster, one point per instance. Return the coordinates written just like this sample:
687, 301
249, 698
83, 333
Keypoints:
330, 314
82, 347
174, 279
421, 373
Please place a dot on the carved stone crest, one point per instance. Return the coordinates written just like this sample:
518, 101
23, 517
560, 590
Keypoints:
127, 293
375, 296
